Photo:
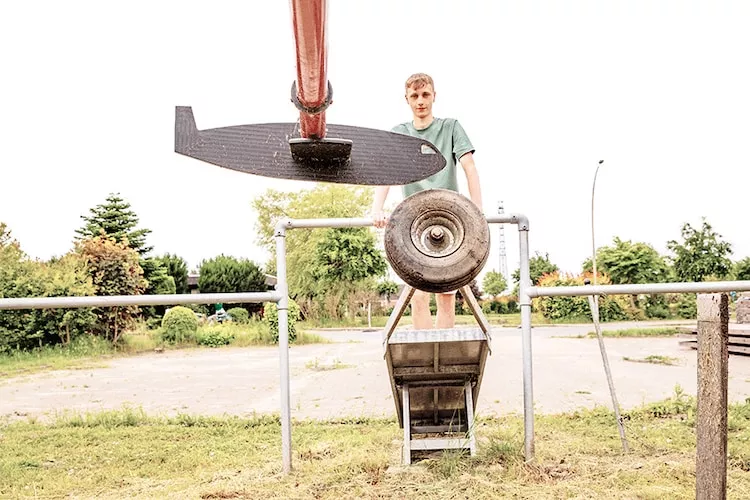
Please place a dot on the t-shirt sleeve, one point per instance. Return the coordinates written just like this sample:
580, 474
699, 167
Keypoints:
461, 142
399, 129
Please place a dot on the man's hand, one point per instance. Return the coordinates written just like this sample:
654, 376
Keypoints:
379, 219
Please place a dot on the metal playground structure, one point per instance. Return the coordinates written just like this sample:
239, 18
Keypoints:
436, 241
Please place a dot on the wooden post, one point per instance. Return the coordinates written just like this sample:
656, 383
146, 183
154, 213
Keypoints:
713, 361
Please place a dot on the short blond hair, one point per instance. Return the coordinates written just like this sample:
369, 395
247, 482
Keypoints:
419, 80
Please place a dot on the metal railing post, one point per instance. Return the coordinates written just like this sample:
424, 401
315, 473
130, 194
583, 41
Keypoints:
283, 312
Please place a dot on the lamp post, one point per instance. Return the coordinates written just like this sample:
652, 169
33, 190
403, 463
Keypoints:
594, 304
593, 242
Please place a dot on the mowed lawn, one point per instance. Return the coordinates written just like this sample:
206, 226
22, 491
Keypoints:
128, 454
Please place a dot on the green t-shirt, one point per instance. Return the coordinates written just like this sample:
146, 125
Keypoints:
450, 138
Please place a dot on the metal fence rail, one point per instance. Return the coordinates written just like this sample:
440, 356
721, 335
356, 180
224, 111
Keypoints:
677, 287
136, 300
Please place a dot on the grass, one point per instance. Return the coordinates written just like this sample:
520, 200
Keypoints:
654, 359
318, 366
93, 352
128, 454
85, 352
510, 320
513, 319
636, 332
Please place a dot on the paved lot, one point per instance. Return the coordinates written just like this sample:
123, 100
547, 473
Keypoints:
568, 374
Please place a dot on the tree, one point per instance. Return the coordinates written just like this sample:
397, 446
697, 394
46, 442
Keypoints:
225, 274
702, 254
5, 237
347, 255
115, 219
611, 308
312, 253
159, 280
387, 288
538, 266
115, 270
628, 262
346, 265
742, 269
177, 268
156, 274
494, 283
21, 276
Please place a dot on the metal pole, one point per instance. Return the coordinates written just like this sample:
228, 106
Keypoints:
593, 244
283, 309
136, 300
702, 287
316, 223
594, 304
525, 303
309, 26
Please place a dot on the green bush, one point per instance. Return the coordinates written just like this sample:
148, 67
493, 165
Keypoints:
657, 312
271, 317
179, 324
215, 336
611, 308
21, 276
656, 306
687, 306
239, 315
500, 305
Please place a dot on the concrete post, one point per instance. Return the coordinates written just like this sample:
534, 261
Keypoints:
713, 361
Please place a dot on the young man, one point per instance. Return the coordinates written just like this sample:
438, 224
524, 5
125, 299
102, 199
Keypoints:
451, 139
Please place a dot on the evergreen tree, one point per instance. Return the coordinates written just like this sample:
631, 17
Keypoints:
115, 219
177, 269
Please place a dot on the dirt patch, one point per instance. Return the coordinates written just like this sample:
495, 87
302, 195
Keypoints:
568, 374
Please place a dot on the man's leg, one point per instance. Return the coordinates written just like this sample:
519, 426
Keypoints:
420, 311
446, 309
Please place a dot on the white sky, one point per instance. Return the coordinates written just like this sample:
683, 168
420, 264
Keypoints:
660, 90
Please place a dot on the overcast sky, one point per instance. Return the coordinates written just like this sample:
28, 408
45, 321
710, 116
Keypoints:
659, 90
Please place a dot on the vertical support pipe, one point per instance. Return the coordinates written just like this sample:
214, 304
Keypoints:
711, 425
407, 424
525, 303
283, 310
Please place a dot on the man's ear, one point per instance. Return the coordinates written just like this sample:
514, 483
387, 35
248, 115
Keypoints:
434, 96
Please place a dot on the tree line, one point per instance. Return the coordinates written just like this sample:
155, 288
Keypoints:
700, 255
332, 273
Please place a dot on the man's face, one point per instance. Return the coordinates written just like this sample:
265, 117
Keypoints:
420, 100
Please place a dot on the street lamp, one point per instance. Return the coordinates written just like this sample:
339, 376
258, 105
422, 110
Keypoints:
594, 304
593, 242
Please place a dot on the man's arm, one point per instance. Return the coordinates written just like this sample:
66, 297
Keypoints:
378, 217
472, 179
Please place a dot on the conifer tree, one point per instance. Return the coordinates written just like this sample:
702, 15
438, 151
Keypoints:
116, 220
